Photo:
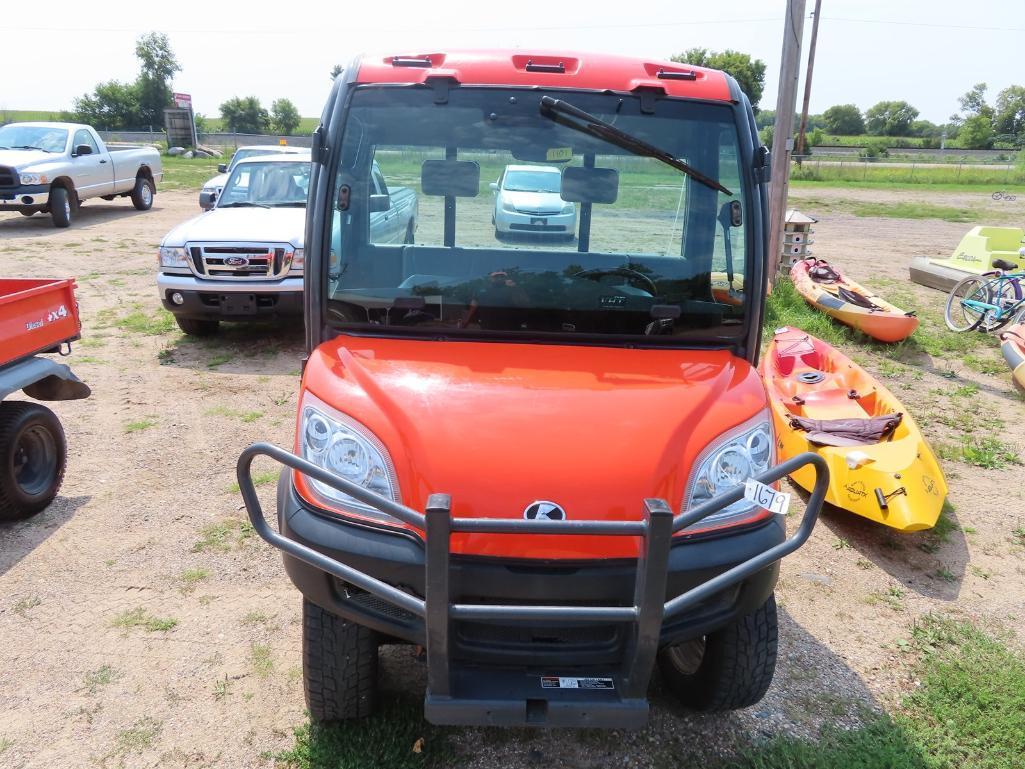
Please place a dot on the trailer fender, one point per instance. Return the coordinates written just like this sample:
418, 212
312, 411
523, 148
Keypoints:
42, 379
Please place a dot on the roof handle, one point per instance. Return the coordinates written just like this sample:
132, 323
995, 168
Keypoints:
558, 69
410, 61
669, 75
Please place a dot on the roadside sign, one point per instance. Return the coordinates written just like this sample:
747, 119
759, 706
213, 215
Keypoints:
182, 100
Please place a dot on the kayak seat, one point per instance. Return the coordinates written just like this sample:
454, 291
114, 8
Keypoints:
1003, 264
848, 431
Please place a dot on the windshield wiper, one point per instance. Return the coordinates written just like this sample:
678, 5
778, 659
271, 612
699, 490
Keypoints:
289, 204
556, 109
244, 204
29, 147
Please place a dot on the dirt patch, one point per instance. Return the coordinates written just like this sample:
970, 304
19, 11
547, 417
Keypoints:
145, 625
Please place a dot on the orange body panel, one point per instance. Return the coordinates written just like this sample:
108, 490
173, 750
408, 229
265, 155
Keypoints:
499, 426
36, 315
890, 324
1012, 345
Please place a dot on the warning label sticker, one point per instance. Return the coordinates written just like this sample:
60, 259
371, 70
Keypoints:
560, 682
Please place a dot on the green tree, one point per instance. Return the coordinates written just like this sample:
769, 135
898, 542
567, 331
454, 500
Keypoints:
749, 73
112, 106
976, 133
1009, 117
843, 120
336, 70
245, 115
974, 102
158, 66
890, 118
284, 116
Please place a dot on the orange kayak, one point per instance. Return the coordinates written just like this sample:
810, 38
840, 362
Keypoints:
1012, 345
880, 466
826, 289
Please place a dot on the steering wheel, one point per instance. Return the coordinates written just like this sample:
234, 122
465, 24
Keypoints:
597, 272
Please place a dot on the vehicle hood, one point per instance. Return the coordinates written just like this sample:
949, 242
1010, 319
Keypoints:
533, 201
25, 159
271, 225
499, 426
216, 182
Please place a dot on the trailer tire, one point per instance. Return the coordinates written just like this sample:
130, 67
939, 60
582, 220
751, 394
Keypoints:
728, 669
339, 666
142, 194
60, 207
197, 326
33, 455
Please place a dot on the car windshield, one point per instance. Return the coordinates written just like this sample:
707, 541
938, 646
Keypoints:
500, 220
45, 138
252, 153
268, 184
532, 181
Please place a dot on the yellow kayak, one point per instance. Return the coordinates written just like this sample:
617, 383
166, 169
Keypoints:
880, 466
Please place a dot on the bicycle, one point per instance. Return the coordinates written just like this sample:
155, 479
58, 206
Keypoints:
1001, 195
987, 302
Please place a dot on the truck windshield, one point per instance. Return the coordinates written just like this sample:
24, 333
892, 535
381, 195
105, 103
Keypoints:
269, 185
501, 221
15, 136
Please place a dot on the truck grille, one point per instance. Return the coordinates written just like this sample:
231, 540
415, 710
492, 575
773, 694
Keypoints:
251, 261
529, 212
8, 177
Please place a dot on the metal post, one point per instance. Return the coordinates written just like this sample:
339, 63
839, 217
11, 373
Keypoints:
437, 593
783, 139
807, 77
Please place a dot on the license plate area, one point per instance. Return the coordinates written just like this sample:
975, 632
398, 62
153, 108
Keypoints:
538, 221
238, 304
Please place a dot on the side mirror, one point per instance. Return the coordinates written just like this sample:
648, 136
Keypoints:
494, 186
207, 200
763, 165
222, 168
82, 149
380, 203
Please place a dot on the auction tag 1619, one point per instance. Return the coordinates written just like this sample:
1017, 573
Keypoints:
766, 496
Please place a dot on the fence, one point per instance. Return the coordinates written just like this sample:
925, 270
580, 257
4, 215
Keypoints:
824, 168
225, 140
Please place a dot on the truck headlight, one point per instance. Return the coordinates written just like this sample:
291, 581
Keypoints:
33, 178
343, 446
298, 260
742, 453
173, 257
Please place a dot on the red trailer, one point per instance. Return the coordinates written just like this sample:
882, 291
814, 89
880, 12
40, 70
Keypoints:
37, 316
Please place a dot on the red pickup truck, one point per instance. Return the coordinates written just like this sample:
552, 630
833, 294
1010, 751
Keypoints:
544, 459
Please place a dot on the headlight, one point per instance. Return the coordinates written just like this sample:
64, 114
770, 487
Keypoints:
567, 208
338, 443
508, 207
742, 453
298, 260
173, 257
33, 178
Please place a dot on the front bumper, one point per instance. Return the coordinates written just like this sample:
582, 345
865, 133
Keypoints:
26, 196
510, 222
493, 627
231, 299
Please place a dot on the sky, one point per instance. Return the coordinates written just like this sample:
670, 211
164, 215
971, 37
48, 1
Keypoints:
926, 52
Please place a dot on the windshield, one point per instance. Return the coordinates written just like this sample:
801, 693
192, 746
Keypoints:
532, 181
252, 152
270, 184
18, 136
501, 220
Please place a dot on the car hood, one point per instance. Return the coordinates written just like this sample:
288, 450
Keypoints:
26, 159
216, 182
271, 225
534, 201
499, 426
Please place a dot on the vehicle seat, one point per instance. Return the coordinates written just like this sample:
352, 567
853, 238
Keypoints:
1003, 264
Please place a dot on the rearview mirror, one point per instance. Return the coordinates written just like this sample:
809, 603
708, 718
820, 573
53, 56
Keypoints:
222, 168
380, 203
590, 185
83, 149
450, 178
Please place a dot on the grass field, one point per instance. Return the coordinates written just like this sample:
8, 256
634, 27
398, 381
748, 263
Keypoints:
908, 173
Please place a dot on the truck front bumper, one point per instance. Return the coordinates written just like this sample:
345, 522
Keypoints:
192, 297
494, 629
25, 197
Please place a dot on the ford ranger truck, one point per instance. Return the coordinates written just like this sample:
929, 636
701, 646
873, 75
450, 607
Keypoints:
243, 260
549, 464
54, 167
213, 187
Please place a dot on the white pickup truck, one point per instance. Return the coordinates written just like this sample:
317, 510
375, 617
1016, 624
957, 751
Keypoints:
53, 167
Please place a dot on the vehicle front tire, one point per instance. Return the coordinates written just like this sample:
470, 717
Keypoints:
33, 455
728, 669
142, 194
339, 666
197, 326
60, 207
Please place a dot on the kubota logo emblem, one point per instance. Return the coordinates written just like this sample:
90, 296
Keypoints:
236, 261
544, 511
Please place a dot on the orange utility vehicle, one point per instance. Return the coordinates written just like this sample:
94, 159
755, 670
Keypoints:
36, 316
537, 459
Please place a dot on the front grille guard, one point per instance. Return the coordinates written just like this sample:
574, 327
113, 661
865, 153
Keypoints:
649, 609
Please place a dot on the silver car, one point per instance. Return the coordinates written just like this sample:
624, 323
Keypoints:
528, 201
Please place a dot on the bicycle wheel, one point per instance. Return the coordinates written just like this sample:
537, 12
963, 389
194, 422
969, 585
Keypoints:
997, 195
960, 315
1005, 294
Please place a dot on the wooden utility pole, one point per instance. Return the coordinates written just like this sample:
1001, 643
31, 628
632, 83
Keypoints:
783, 132
807, 77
